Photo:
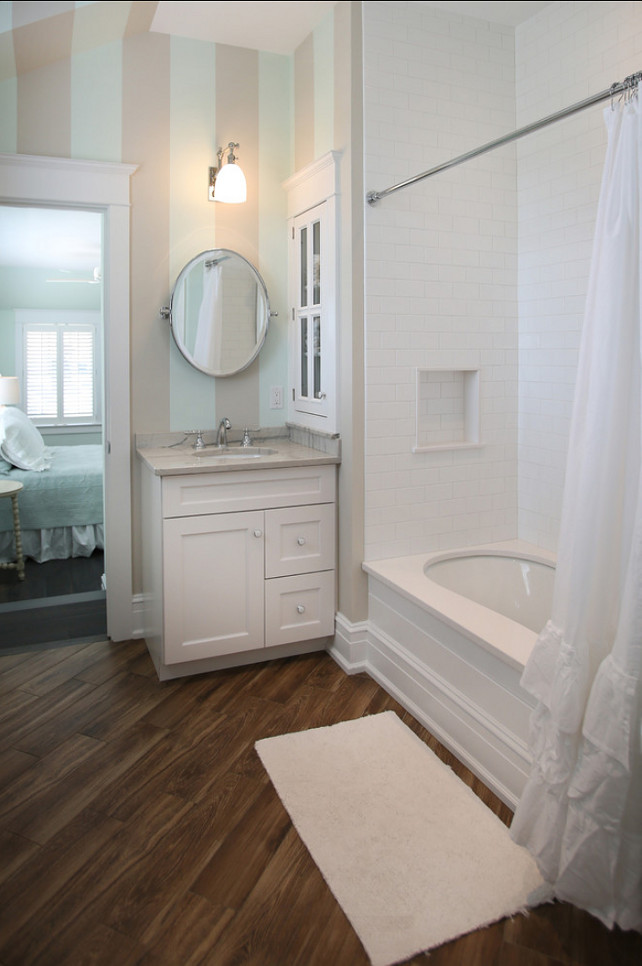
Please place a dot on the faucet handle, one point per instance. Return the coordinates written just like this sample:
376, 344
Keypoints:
199, 442
247, 439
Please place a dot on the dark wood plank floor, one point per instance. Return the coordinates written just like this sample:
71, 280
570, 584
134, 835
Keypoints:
60, 600
138, 827
54, 578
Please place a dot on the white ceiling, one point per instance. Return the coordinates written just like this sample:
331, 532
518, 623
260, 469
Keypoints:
279, 27
50, 237
276, 27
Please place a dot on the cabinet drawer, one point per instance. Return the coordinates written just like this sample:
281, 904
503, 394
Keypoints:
299, 608
299, 540
247, 490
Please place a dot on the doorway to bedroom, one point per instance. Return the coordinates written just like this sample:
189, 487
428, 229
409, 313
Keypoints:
51, 340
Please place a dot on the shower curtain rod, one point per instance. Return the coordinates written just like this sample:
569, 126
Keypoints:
618, 88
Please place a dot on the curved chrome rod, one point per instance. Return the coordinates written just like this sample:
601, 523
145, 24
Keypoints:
624, 86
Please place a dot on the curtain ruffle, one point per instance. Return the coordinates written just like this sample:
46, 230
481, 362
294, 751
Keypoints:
580, 812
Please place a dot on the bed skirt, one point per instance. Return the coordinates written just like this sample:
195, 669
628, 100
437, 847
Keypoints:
55, 543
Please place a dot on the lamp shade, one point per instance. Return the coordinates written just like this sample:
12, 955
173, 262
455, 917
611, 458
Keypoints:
9, 391
230, 185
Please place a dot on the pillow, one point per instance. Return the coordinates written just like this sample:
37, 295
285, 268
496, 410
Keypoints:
20, 441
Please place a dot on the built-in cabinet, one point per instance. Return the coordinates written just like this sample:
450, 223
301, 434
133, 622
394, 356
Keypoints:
237, 562
312, 198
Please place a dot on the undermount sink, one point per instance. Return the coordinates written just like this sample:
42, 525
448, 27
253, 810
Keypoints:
234, 452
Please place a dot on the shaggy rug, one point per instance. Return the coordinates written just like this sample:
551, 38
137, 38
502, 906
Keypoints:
411, 854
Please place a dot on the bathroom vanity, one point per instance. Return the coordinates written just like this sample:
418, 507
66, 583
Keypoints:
238, 553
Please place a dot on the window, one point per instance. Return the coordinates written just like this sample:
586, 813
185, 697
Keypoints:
59, 366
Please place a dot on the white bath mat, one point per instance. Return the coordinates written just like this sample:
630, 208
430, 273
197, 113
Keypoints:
409, 851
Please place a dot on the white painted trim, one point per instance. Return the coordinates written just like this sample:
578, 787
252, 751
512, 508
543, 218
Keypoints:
138, 616
314, 183
61, 182
64, 181
478, 739
350, 645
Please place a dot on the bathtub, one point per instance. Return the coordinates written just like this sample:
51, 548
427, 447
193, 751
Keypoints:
448, 635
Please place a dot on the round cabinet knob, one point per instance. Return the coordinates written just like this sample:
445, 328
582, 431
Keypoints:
301, 541
300, 609
258, 533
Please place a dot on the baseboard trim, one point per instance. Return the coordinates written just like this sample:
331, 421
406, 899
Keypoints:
138, 617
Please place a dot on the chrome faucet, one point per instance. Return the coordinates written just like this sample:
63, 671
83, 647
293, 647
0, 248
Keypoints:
221, 435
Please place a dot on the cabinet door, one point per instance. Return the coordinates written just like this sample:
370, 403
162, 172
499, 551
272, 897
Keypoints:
313, 317
214, 596
299, 540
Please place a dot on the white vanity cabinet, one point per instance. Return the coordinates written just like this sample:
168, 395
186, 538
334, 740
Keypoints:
236, 562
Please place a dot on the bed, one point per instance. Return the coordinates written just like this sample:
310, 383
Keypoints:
61, 503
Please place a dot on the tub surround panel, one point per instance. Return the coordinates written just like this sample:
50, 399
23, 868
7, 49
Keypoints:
472, 726
453, 663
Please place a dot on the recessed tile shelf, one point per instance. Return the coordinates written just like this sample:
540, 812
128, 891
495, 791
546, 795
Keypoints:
447, 409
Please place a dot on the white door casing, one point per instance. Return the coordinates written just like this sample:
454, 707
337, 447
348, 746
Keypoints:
104, 187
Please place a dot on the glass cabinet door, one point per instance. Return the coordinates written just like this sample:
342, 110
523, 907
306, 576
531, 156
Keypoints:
309, 390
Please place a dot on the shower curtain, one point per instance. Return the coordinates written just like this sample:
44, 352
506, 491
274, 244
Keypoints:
207, 343
581, 811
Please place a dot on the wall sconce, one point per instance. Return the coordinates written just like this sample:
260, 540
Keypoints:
227, 182
9, 391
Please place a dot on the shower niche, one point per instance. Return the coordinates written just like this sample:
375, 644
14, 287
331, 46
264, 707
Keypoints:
447, 409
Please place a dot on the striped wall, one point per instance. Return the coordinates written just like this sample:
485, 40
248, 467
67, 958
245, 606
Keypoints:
91, 81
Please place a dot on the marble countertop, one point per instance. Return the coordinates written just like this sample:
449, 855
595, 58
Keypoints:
178, 460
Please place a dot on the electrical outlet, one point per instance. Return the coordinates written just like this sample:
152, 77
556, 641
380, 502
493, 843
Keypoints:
276, 397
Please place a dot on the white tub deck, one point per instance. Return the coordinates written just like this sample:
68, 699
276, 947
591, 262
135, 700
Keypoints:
454, 664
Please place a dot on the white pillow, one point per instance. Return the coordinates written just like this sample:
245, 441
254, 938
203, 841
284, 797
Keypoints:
21, 442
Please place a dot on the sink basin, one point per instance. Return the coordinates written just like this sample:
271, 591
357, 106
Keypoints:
234, 453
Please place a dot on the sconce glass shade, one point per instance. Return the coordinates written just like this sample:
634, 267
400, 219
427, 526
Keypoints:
9, 391
230, 185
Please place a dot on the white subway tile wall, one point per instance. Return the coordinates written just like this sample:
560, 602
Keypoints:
441, 262
564, 54
483, 266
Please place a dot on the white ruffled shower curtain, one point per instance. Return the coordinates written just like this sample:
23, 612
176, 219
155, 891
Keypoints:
581, 811
207, 343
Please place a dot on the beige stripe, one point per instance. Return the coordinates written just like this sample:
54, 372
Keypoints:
44, 110
304, 103
146, 65
140, 17
43, 42
237, 226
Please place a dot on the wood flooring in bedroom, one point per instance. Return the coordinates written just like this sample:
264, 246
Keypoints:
139, 828
60, 600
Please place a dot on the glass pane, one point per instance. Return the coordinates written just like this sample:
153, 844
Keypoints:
304, 357
316, 261
304, 266
78, 374
41, 372
316, 349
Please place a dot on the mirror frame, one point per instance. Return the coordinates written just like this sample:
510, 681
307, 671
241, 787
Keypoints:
202, 256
